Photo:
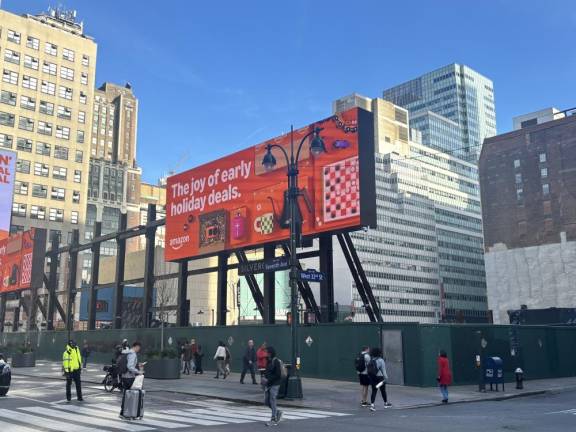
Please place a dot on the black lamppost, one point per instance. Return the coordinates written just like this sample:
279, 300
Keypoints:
294, 388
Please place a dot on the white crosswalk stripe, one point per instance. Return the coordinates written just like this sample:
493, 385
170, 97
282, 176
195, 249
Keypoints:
103, 416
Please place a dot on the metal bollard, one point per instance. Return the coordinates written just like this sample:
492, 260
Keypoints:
519, 378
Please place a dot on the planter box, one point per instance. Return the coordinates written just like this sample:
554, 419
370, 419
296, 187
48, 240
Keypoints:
20, 360
164, 368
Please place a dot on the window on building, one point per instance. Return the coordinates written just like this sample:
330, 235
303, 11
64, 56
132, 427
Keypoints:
63, 132
48, 87
83, 97
15, 229
10, 77
80, 136
68, 54
84, 78
59, 173
64, 112
58, 193
61, 152
542, 157
76, 197
77, 176
545, 189
49, 67
38, 212
44, 128
18, 209
13, 36
51, 49
41, 169
66, 73
6, 141
46, 108
81, 117
519, 194
39, 190
43, 149
29, 82
547, 207
74, 217
33, 43
8, 98
23, 166
516, 163
26, 123
56, 215
85, 60
65, 92
11, 56
28, 103
30, 62
544, 172
24, 144
6, 119
518, 177
20, 187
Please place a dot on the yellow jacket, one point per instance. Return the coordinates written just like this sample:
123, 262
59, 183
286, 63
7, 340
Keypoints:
71, 359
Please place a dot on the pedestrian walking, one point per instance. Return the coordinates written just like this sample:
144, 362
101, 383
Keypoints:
5, 376
361, 364
444, 375
271, 383
193, 349
187, 358
85, 354
249, 362
72, 365
376, 369
220, 357
262, 359
198, 354
227, 362
128, 367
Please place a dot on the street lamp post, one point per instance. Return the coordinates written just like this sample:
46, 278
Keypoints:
294, 388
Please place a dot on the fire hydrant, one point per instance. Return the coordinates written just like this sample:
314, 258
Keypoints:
519, 378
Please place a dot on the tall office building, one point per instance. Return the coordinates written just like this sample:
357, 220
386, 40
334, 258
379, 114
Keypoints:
424, 261
452, 106
47, 90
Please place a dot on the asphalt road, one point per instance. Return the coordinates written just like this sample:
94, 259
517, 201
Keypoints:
35, 404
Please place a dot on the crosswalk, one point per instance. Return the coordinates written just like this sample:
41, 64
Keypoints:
102, 416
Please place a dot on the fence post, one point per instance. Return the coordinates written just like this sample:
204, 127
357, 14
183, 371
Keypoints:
147, 303
119, 275
72, 289
52, 281
95, 276
183, 305
269, 288
222, 306
327, 285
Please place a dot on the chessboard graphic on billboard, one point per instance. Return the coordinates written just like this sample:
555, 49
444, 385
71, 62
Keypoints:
7, 172
234, 202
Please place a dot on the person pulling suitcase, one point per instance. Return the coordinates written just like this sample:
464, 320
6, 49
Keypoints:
132, 382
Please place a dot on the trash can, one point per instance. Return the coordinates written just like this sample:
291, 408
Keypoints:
284, 384
493, 372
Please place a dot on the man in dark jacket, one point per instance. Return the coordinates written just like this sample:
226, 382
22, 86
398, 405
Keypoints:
271, 383
249, 362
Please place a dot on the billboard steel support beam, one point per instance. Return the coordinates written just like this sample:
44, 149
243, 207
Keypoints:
183, 318
72, 279
269, 316
119, 273
327, 285
252, 284
222, 295
149, 268
52, 281
94, 277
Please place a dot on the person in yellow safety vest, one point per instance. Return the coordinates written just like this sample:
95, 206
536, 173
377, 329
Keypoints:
72, 365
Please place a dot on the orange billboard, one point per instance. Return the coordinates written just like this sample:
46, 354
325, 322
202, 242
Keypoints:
21, 260
234, 203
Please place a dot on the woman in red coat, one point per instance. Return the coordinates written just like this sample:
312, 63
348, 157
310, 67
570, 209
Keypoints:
444, 375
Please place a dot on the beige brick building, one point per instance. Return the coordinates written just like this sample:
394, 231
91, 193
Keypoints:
48, 67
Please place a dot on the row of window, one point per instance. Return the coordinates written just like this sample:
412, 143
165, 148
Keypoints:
43, 170
27, 102
42, 148
46, 87
49, 48
39, 212
50, 68
43, 127
41, 191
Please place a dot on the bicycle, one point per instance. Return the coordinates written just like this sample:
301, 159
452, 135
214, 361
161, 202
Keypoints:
112, 380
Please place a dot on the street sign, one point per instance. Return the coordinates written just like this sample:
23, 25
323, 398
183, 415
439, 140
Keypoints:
312, 275
264, 266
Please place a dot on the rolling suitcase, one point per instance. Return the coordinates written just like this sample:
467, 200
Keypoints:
132, 404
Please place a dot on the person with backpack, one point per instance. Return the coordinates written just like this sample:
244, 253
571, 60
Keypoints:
444, 375
5, 376
361, 364
72, 365
128, 366
220, 357
376, 369
275, 372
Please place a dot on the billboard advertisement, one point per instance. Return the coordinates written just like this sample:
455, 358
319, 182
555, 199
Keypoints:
234, 202
22, 260
7, 172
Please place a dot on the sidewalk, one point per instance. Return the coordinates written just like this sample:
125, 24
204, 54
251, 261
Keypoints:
319, 394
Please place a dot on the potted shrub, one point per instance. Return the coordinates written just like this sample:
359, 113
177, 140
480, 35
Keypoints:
24, 357
164, 364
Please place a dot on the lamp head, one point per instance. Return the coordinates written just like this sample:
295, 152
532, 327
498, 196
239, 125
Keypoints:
317, 145
269, 161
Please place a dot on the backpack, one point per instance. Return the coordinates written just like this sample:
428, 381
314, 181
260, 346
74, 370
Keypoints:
372, 368
283, 371
122, 364
360, 363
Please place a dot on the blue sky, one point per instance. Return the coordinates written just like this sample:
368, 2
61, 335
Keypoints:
216, 76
